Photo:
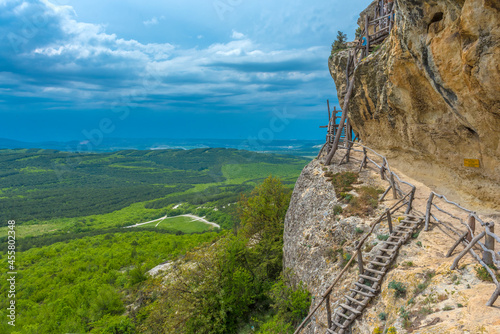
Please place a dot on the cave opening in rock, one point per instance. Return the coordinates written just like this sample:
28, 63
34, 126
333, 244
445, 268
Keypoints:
437, 17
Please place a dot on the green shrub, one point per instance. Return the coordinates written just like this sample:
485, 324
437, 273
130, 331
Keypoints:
399, 288
337, 209
483, 274
359, 230
382, 316
383, 237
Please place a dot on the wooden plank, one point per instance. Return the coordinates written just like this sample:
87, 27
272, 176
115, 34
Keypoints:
375, 271
353, 310
366, 294
378, 263
370, 278
354, 300
379, 18
366, 287
343, 316
339, 324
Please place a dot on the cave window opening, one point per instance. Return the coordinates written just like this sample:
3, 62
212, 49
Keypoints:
437, 17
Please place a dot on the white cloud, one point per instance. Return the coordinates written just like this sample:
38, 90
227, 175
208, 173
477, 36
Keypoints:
237, 35
153, 21
86, 62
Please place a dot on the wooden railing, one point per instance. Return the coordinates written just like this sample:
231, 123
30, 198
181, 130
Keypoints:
405, 199
468, 237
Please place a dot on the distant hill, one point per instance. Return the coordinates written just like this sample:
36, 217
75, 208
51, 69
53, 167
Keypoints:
292, 147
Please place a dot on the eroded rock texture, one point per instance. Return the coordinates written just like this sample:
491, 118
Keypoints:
432, 90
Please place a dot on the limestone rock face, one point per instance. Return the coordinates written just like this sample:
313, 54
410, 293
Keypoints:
431, 92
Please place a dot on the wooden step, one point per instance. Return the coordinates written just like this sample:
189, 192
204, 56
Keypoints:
375, 271
366, 294
389, 250
354, 300
366, 287
411, 222
378, 263
339, 325
353, 310
384, 257
370, 278
330, 331
413, 216
406, 227
392, 243
343, 315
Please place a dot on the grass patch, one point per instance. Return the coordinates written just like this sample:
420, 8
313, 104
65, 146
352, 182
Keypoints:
483, 274
383, 237
337, 209
399, 289
365, 204
359, 230
342, 182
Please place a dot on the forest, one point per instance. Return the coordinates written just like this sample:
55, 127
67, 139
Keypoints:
80, 271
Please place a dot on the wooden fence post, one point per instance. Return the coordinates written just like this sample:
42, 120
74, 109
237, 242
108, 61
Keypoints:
489, 243
382, 170
329, 115
410, 201
363, 162
428, 211
328, 311
393, 184
360, 262
367, 36
335, 144
389, 221
472, 226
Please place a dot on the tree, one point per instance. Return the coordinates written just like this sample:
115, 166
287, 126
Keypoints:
340, 43
262, 217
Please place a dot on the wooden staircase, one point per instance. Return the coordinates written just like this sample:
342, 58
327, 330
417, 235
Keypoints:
370, 280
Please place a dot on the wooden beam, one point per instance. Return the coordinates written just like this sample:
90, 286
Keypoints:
469, 246
367, 36
428, 211
330, 155
472, 225
489, 243
328, 104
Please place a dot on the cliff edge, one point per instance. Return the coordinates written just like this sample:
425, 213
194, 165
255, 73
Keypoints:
429, 96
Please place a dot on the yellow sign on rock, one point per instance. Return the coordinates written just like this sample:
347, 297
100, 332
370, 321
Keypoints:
471, 163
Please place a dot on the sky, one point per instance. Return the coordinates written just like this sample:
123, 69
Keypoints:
72, 69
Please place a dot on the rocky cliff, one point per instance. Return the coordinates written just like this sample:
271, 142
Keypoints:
318, 239
429, 96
